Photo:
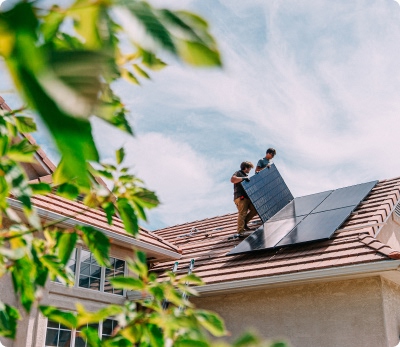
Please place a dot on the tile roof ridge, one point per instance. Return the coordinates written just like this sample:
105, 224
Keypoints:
380, 247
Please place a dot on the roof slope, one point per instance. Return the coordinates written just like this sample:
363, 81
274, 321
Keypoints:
95, 218
352, 244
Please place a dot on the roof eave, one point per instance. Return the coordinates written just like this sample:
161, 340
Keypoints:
130, 240
331, 274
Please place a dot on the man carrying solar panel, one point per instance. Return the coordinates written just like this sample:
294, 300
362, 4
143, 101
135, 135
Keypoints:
246, 210
266, 161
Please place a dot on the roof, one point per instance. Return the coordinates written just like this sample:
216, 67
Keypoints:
54, 207
352, 244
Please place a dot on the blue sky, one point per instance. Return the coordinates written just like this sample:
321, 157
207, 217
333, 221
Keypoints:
317, 80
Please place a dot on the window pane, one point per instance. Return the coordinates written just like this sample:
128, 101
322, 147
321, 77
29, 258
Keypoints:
108, 327
65, 338
120, 265
84, 281
51, 337
85, 256
85, 269
51, 324
94, 283
79, 341
95, 271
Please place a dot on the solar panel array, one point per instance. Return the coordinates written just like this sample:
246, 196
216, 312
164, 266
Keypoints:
305, 219
268, 192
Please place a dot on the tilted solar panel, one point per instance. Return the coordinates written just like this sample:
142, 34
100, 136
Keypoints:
305, 219
268, 192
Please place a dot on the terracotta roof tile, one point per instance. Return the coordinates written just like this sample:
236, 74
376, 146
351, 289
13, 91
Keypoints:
351, 244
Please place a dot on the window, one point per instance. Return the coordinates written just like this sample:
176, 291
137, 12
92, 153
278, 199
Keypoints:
90, 271
89, 274
108, 327
59, 336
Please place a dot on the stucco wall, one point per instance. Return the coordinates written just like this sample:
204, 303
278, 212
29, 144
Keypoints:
332, 314
391, 305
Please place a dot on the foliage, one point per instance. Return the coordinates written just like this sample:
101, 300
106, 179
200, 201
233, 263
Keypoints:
63, 62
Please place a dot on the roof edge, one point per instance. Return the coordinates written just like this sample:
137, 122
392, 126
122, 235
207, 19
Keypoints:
71, 222
350, 271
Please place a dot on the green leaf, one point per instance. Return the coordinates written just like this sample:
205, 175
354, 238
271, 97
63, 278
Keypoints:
25, 124
129, 76
85, 317
245, 340
198, 54
65, 318
191, 279
128, 216
148, 19
212, 322
22, 151
68, 191
86, 17
51, 22
8, 320
117, 341
56, 270
66, 245
40, 188
140, 71
109, 209
92, 336
150, 60
120, 155
98, 244
156, 336
23, 276
128, 283
191, 343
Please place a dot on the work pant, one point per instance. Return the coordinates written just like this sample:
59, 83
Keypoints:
243, 207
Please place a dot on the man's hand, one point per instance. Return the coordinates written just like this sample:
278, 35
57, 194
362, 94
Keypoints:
247, 179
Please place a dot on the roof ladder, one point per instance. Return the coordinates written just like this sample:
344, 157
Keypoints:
190, 270
165, 302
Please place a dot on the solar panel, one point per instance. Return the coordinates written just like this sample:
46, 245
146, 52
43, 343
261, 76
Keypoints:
346, 196
301, 206
268, 192
317, 226
305, 219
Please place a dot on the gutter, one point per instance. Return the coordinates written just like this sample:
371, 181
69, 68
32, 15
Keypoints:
71, 222
350, 271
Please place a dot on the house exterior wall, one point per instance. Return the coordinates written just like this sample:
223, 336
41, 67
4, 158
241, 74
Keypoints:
391, 305
348, 313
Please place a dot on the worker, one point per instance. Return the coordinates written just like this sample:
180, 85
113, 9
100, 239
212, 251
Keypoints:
246, 210
266, 161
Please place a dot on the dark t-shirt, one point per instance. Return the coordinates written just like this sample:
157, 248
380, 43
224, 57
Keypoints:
238, 190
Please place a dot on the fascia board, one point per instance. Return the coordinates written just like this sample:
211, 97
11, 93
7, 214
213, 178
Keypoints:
343, 272
71, 222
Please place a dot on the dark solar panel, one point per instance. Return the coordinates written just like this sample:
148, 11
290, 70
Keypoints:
301, 206
268, 192
347, 196
305, 219
267, 236
317, 226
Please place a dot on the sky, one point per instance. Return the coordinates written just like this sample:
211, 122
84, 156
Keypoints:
317, 80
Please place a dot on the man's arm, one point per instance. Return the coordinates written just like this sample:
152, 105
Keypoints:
237, 179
